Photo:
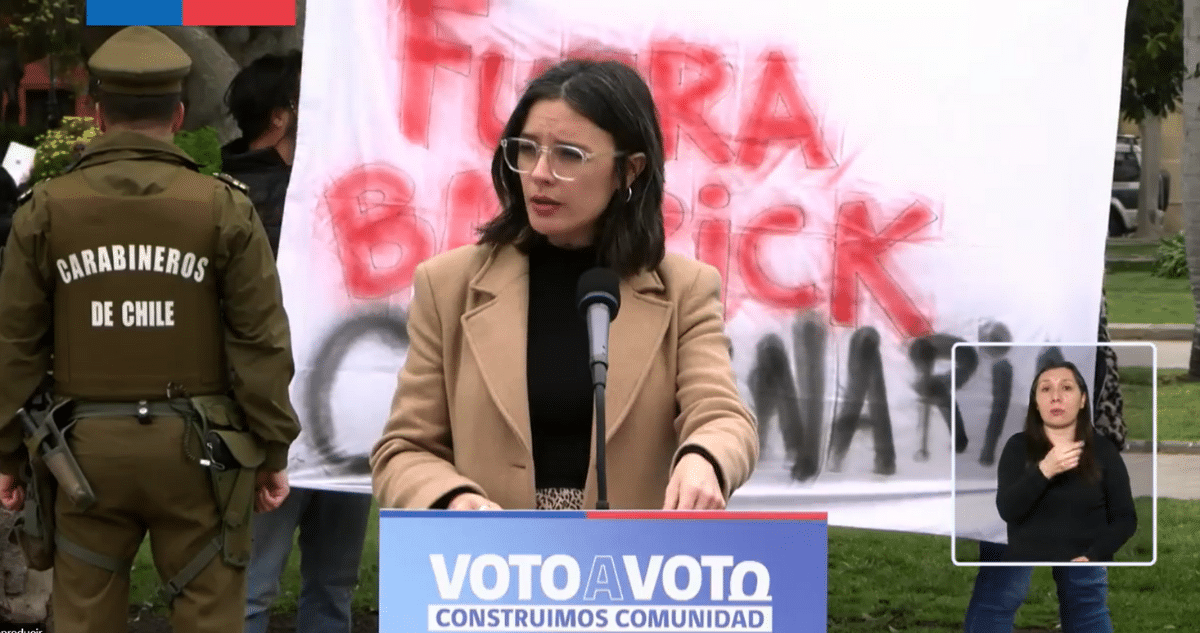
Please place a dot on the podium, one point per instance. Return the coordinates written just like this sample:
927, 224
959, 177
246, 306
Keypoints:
552, 571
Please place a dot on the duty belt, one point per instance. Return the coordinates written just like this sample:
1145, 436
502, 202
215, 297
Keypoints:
143, 410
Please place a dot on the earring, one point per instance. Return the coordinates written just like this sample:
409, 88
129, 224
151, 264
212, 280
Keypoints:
628, 194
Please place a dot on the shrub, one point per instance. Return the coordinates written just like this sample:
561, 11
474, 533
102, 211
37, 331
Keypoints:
58, 148
1171, 258
203, 146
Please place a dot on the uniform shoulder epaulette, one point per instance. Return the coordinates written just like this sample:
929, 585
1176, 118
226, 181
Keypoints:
25, 196
233, 182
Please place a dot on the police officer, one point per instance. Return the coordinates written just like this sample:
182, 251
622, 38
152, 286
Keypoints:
150, 291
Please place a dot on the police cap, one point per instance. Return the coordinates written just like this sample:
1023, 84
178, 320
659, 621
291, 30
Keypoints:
140, 60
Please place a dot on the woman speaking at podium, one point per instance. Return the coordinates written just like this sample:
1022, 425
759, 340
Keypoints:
494, 407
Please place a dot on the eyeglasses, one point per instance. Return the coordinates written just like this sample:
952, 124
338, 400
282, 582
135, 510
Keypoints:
566, 161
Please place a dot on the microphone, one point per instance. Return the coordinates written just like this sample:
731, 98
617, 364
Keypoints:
598, 295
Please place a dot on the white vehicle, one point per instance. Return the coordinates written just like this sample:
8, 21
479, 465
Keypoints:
1127, 174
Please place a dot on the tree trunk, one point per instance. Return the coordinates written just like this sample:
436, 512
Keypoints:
1190, 167
1150, 129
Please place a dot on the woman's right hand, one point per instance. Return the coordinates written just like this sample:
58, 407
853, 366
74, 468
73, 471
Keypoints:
1061, 458
471, 501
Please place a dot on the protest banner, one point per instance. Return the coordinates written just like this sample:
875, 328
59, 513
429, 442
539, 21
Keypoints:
875, 181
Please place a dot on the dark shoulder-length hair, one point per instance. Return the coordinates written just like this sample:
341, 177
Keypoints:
1036, 442
629, 233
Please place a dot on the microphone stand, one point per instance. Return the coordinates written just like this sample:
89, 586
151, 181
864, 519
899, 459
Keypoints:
599, 378
598, 294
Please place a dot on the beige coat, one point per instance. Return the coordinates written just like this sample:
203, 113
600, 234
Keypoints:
460, 416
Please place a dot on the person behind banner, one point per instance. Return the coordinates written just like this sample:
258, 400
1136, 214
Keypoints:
263, 98
149, 290
494, 404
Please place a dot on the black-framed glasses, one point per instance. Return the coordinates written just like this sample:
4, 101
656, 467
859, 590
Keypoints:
566, 161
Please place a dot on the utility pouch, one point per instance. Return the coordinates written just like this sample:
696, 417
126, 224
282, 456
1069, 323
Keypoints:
234, 455
35, 528
219, 412
234, 449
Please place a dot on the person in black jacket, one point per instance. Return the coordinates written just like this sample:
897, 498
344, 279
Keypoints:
1065, 494
263, 99
1063, 491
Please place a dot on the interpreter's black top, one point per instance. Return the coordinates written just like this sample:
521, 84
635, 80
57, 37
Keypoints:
1059, 519
560, 381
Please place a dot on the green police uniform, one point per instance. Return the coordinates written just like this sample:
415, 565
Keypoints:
144, 284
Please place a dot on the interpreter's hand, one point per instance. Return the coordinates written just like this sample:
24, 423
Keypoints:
694, 486
12, 493
471, 501
1061, 458
270, 489
1080, 559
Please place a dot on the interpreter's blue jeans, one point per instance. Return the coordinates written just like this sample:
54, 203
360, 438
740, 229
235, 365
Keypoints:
1000, 591
332, 526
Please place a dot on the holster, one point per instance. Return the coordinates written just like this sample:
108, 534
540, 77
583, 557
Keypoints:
35, 531
235, 454
35, 527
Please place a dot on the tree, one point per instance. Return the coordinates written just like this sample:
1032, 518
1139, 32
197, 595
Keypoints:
1191, 164
1151, 81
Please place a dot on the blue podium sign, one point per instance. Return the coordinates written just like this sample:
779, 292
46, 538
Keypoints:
551, 571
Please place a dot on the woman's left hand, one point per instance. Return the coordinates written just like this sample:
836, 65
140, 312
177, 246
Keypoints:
694, 486
1080, 559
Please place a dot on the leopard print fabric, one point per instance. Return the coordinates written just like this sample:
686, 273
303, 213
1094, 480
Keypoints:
559, 499
1108, 416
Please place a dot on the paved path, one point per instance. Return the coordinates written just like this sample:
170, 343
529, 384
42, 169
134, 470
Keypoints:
1171, 354
1178, 475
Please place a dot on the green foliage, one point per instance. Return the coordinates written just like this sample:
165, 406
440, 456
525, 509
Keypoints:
1171, 259
203, 146
58, 148
1152, 77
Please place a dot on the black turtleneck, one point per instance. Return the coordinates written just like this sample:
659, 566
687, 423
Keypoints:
560, 384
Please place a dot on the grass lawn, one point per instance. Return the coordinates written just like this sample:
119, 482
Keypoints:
887, 581
1139, 297
1178, 404
1128, 250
